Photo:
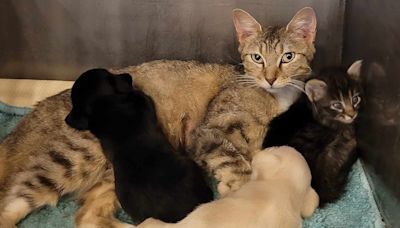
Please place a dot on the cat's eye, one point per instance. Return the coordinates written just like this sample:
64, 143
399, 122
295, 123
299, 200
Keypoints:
338, 106
257, 58
356, 100
288, 57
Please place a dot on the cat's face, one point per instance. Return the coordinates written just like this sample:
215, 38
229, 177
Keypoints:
336, 94
276, 57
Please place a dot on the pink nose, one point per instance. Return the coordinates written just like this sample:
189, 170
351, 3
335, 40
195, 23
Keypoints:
271, 80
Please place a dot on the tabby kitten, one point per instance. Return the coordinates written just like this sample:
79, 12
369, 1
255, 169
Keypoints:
274, 59
43, 158
321, 128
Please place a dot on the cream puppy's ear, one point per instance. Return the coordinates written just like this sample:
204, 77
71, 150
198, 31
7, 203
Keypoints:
311, 201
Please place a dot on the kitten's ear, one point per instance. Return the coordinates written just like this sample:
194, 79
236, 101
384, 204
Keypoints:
245, 24
354, 70
315, 89
303, 25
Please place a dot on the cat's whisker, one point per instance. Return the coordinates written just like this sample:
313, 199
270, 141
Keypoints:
296, 86
300, 75
250, 79
244, 79
254, 86
248, 83
300, 86
297, 82
245, 76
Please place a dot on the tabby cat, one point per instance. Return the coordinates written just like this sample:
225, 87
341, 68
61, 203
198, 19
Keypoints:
46, 159
321, 128
233, 129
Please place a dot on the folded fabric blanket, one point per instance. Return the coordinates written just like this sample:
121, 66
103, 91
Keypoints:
356, 208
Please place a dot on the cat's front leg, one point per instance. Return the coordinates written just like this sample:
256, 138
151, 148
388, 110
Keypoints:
230, 166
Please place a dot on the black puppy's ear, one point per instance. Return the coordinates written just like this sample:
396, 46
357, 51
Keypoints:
79, 122
123, 83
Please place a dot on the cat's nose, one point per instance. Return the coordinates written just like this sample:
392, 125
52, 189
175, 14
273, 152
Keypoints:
271, 80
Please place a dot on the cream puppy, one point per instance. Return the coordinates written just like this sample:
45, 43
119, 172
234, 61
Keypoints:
278, 195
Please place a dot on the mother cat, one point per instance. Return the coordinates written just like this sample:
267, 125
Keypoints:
43, 159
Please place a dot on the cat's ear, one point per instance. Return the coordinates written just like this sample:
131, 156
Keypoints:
354, 70
245, 24
303, 25
315, 89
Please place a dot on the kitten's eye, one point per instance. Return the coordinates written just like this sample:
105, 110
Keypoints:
257, 58
337, 106
356, 100
288, 57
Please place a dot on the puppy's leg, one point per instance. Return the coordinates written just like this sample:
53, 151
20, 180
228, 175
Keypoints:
311, 201
98, 206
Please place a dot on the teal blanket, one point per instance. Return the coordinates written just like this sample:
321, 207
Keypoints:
357, 207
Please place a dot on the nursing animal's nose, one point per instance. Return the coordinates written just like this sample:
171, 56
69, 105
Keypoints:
271, 80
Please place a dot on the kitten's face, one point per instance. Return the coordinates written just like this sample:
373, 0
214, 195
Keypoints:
336, 94
343, 103
274, 57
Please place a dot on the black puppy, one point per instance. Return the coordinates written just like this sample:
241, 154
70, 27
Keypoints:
151, 180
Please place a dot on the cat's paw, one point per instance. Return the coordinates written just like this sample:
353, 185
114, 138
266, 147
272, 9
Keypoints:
225, 187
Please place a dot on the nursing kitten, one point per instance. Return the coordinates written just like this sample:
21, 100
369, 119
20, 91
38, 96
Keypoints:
234, 126
321, 128
278, 195
46, 159
150, 180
